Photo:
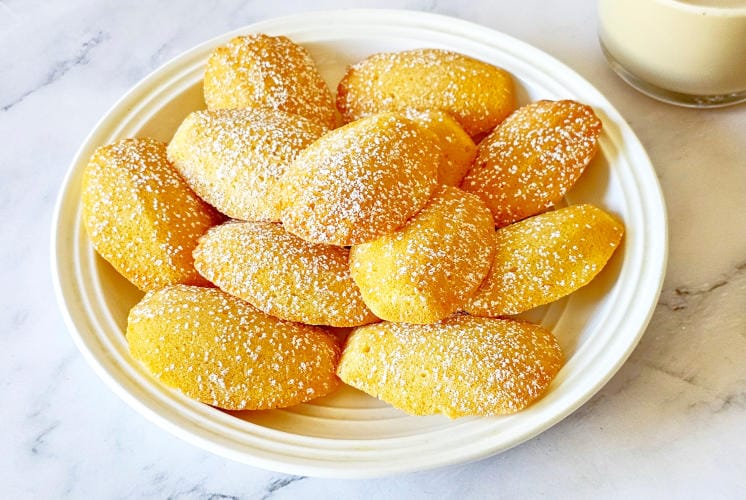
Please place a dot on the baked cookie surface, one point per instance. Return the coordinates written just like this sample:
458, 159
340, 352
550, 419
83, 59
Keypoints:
476, 94
545, 257
528, 163
464, 365
222, 351
428, 268
235, 158
262, 71
459, 150
360, 181
282, 274
141, 216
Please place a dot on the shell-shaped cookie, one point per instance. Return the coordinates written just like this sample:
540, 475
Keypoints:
234, 158
222, 351
360, 181
261, 71
528, 163
141, 216
543, 258
282, 274
428, 268
477, 94
458, 148
463, 365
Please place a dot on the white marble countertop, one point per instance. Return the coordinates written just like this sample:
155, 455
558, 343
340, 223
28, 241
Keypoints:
671, 423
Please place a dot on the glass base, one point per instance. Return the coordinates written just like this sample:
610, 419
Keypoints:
669, 96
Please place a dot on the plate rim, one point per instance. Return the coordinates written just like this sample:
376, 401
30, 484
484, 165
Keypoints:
460, 28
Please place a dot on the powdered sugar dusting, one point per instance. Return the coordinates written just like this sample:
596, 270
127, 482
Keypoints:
282, 274
141, 216
235, 159
477, 94
457, 147
360, 181
261, 71
222, 351
528, 163
546, 257
461, 366
427, 269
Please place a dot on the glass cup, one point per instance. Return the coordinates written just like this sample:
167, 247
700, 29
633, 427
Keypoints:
686, 52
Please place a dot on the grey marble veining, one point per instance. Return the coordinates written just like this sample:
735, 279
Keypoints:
669, 424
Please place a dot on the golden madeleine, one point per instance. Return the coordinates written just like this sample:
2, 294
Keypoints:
282, 274
360, 181
528, 163
222, 351
476, 94
141, 216
545, 257
458, 148
428, 268
235, 158
261, 71
463, 365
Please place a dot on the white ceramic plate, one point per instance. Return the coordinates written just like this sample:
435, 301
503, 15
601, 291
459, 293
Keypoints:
350, 434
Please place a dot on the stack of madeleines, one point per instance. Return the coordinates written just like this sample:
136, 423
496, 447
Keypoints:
263, 227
